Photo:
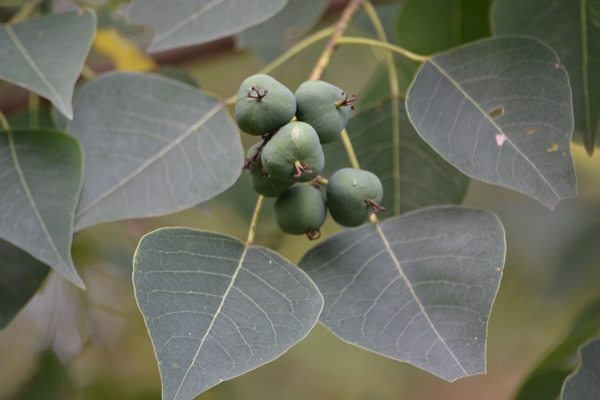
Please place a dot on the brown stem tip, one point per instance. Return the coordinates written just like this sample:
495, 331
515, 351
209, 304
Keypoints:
374, 206
313, 235
301, 169
258, 95
347, 101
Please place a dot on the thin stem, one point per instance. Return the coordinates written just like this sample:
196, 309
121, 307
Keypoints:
88, 73
291, 52
312, 39
25, 11
395, 93
254, 222
340, 28
34, 105
384, 45
321, 180
349, 149
4, 122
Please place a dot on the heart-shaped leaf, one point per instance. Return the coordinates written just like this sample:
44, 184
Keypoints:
417, 288
21, 275
40, 184
216, 308
152, 146
572, 29
584, 384
45, 55
423, 177
187, 22
500, 111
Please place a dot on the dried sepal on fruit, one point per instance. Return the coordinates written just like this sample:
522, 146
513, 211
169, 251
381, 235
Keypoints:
294, 153
263, 105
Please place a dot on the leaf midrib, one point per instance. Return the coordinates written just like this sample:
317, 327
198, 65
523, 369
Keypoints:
186, 21
34, 66
13, 152
415, 297
212, 322
151, 160
487, 117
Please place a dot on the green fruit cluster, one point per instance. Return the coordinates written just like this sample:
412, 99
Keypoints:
290, 152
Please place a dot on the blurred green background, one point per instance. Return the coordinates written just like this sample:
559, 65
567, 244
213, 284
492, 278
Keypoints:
69, 344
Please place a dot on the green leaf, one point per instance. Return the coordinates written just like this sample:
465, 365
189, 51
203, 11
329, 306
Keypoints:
21, 275
39, 119
40, 184
572, 29
500, 111
417, 288
271, 37
216, 308
545, 381
152, 146
430, 26
423, 177
45, 55
585, 383
188, 22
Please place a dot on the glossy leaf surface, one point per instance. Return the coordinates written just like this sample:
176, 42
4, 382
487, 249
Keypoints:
422, 178
45, 55
417, 288
188, 22
500, 111
21, 275
430, 26
40, 184
585, 383
152, 146
216, 308
572, 29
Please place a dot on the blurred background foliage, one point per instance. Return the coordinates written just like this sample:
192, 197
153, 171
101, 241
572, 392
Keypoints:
92, 345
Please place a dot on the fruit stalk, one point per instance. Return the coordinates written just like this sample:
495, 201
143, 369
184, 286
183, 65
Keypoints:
254, 222
340, 27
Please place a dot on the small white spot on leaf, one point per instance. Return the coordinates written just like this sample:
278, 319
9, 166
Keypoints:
500, 139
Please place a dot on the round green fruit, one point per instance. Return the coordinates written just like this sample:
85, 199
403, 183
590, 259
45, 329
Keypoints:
294, 154
261, 182
325, 107
263, 105
300, 210
353, 195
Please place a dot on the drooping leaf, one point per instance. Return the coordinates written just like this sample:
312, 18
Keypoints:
546, 380
188, 22
423, 177
585, 383
272, 36
500, 111
417, 288
572, 29
216, 308
45, 55
152, 146
430, 26
21, 275
40, 184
